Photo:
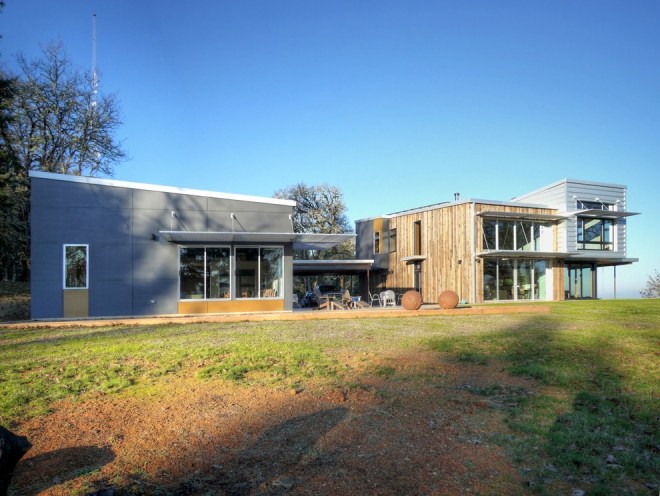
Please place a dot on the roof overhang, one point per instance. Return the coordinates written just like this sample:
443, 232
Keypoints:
301, 241
331, 266
603, 214
520, 215
600, 259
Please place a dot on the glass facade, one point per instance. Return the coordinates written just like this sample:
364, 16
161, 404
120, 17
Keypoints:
508, 279
205, 272
516, 235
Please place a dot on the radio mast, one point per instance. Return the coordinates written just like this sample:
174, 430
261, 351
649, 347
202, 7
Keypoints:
95, 79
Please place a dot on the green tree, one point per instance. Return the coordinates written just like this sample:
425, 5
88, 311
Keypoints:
652, 288
320, 209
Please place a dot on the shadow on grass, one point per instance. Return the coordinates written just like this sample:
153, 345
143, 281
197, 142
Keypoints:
265, 467
56, 467
593, 426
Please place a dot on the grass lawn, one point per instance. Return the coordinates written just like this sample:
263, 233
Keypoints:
591, 418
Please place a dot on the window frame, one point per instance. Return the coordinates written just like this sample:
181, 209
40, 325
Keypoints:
392, 240
204, 271
377, 248
64, 266
258, 275
602, 245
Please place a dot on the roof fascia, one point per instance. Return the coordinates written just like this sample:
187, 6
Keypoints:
158, 188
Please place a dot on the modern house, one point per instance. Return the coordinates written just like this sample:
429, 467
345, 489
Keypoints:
102, 247
544, 245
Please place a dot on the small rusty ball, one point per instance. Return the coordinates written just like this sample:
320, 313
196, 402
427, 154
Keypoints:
411, 300
448, 299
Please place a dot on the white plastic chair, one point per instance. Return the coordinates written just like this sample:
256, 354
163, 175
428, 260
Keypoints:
388, 298
374, 297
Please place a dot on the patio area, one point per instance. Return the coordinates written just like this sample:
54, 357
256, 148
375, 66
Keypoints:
428, 310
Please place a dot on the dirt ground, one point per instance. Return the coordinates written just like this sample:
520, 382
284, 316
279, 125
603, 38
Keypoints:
414, 428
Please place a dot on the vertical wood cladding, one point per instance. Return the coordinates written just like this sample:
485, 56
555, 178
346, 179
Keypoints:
446, 239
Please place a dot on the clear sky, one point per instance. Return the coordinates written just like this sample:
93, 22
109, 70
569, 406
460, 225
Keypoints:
399, 103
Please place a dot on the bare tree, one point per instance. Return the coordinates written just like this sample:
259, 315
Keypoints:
652, 288
320, 209
52, 121
58, 124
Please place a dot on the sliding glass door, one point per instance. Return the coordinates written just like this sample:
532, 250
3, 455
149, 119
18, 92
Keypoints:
508, 279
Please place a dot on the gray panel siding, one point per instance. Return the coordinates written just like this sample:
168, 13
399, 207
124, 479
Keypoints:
130, 273
364, 248
554, 196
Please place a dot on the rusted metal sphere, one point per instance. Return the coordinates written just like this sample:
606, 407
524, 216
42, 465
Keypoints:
448, 299
411, 300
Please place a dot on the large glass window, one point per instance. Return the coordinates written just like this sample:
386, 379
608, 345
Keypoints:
76, 266
259, 272
218, 275
204, 272
490, 234
271, 272
516, 235
594, 234
578, 281
505, 235
508, 279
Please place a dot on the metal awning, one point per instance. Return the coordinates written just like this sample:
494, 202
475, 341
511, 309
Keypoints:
301, 241
413, 259
521, 254
603, 214
600, 259
301, 267
520, 215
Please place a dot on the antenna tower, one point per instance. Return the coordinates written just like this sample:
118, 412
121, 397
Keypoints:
95, 79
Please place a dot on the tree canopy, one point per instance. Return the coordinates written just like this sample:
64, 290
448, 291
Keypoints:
320, 209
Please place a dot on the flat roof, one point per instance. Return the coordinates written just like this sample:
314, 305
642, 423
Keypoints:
158, 188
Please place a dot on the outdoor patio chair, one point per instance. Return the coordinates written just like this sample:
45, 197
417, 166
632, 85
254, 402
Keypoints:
323, 301
347, 299
388, 298
374, 297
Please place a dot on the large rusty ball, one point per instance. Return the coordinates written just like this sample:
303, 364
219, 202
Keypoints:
411, 300
448, 299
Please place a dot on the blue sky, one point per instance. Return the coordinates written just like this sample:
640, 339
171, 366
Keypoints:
400, 104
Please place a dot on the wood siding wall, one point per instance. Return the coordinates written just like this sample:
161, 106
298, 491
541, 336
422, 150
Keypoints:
449, 234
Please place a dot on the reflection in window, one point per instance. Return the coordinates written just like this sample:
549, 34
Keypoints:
594, 234
259, 272
376, 243
217, 272
247, 272
75, 266
490, 234
271, 272
505, 235
393, 240
204, 272
515, 235
507, 279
